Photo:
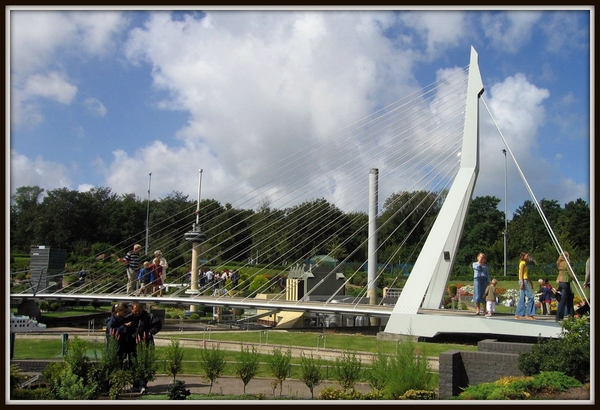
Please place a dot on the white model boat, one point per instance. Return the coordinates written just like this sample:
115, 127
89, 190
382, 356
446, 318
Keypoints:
19, 324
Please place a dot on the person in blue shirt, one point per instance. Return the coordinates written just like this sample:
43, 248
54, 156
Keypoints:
145, 277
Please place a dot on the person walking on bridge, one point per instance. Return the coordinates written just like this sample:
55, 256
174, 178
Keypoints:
132, 260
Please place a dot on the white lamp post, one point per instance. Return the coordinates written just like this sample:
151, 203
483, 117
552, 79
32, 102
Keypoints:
505, 212
148, 210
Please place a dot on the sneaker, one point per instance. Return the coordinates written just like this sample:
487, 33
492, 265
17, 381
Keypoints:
143, 390
488, 315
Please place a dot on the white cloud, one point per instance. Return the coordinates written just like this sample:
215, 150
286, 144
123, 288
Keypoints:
563, 32
27, 172
518, 110
438, 29
45, 41
85, 187
95, 106
252, 101
53, 86
509, 31
41, 35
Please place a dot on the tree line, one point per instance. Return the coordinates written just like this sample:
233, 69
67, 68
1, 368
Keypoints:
99, 220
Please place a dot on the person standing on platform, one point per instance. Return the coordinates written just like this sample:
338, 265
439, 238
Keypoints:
132, 259
564, 278
586, 282
481, 280
490, 298
526, 303
163, 262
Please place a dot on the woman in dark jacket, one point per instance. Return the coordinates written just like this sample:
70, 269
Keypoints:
119, 329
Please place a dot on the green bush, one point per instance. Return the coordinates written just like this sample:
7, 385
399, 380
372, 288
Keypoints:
407, 370
347, 370
177, 390
32, 394
15, 379
419, 395
73, 387
520, 388
51, 374
144, 364
378, 374
570, 353
332, 393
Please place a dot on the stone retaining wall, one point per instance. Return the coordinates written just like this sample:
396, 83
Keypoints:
494, 360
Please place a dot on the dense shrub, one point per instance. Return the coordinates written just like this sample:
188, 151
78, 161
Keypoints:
419, 395
32, 394
177, 390
347, 370
570, 353
332, 393
519, 388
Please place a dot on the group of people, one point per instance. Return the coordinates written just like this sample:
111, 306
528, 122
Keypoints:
127, 327
215, 279
149, 277
484, 290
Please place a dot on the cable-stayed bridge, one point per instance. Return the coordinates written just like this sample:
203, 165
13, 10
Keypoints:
429, 141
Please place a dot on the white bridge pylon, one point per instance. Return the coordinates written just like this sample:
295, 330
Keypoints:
417, 311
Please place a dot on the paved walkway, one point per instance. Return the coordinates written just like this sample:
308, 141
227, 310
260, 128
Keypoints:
292, 388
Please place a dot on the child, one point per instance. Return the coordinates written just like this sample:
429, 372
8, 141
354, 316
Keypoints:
490, 298
156, 282
548, 295
144, 278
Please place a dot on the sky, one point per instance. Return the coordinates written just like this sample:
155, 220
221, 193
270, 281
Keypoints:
103, 98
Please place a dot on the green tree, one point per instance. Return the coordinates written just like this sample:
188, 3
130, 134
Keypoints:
405, 219
174, 356
212, 363
347, 370
279, 363
23, 217
247, 365
312, 374
484, 226
574, 223
144, 364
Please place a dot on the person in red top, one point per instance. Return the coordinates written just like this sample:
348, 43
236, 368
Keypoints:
157, 271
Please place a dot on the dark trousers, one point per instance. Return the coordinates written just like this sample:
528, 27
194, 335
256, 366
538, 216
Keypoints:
566, 299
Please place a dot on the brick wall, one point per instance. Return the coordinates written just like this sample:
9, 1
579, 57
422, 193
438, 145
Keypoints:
493, 360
